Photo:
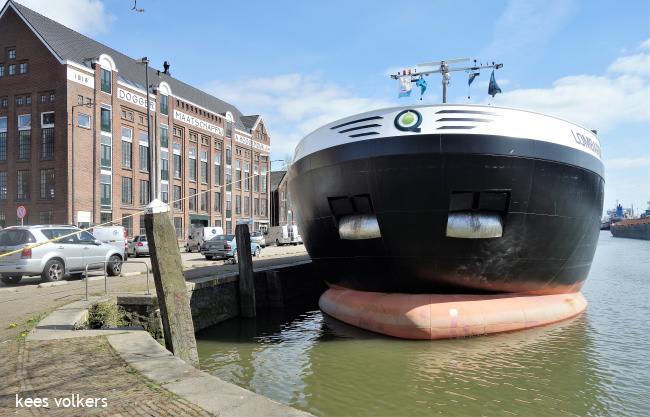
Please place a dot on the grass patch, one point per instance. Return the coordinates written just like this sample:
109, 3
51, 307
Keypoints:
105, 315
27, 326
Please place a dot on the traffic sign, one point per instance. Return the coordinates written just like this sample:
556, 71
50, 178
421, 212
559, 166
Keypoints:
21, 212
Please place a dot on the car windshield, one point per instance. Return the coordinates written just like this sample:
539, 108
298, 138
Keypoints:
223, 237
54, 233
15, 237
143, 238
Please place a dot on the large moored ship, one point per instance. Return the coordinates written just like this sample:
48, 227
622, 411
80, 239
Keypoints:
450, 198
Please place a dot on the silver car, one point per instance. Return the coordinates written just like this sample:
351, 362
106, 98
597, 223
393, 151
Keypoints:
138, 246
53, 260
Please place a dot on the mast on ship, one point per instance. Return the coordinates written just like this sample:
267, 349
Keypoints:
443, 68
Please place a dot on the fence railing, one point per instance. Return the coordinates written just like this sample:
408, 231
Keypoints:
104, 264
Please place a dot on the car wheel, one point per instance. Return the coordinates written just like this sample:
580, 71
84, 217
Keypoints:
53, 271
257, 251
277, 242
11, 279
114, 266
235, 258
208, 257
187, 249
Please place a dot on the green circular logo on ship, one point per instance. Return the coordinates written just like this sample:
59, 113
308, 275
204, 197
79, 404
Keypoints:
408, 120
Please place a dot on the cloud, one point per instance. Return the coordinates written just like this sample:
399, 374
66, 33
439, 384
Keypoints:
293, 105
600, 102
645, 44
527, 23
628, 163
85, 16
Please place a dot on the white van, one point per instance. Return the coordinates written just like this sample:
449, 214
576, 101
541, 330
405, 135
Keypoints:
199, 235
113, 235
282, 235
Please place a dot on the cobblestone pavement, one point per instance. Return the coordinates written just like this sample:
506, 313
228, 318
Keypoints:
88, 366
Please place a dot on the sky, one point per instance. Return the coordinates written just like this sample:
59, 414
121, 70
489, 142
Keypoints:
303, 64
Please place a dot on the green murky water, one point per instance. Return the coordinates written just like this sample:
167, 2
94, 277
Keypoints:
595, 365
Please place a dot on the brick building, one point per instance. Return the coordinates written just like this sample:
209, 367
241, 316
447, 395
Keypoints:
74, 146
282, 212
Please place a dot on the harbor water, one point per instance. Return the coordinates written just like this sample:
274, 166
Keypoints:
597, 364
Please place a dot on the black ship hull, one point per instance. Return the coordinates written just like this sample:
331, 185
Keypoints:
548, 198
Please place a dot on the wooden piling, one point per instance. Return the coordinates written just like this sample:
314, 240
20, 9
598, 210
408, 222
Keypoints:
173, 299
246, 277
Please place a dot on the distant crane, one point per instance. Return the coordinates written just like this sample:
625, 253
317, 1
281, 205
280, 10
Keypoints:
135, 7
444, 69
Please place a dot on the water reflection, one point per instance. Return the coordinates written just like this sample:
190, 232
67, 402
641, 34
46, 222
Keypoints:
588, 366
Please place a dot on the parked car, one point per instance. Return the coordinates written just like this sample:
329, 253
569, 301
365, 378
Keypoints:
138, 246
198, 235
112, 235
225, 247
282, 235
55, 260
258, 238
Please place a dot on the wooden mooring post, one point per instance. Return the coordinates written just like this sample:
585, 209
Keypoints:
173, 300
246, 276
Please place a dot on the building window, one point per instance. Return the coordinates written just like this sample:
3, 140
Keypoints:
127, 190
3, 146
80, 99
228, 205
4, 102
247, 176
144, 192
164, 104
256, 178
47, 119
2, 71
228, 179
3, 185
256, 206
24, 121
11, 53
238, 174
47, 144
192, 199
47, 184
178, 225
217, 168
143, 229
22, 185
217, 202
22, 68
164, 192
228, 129
204, 167
177, 165
194, 137
105, 119
24, 145
177, 197
263, 207
20, 100
127, 150
106, 153
144, 158
52, 97
127, 223
237, 204
204, 201
45, 217
12, 69
228, 156
105, 190
164, 165
263, 178
106, 81
247, 206
83, 120
28, 100
164, 137
192, 164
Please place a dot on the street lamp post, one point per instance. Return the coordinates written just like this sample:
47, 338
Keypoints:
152, 178
73, 219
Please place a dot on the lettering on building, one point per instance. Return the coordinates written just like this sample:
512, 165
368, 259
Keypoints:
250, 142
198, 123
81, 77
136, 99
